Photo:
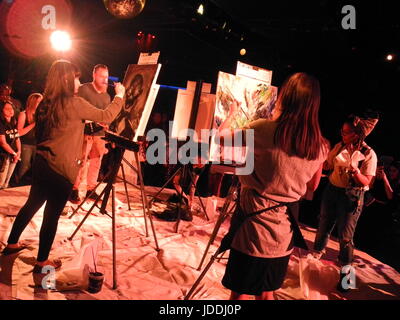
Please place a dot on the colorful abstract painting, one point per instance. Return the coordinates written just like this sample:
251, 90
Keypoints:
256, 99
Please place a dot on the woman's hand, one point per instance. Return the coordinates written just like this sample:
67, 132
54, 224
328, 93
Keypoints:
380, 173
16, 157
119, 89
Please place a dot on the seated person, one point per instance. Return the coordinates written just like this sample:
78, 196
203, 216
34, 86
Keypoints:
185, 187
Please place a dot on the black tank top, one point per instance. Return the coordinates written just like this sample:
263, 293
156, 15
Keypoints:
30, 137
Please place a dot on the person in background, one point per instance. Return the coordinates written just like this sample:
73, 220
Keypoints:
184, 183
10, 144
59, 134
5, 94
353, 164
26, 130
375, 227
289, 151
94, 147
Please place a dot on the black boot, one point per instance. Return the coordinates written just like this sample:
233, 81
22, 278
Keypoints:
74, 196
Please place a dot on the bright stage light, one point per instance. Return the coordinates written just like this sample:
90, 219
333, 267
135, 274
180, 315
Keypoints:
200, 10
389, 57
243, 52
60, 40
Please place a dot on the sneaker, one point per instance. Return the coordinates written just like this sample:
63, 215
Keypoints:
92, 195
8, 251
74, 196
56, 264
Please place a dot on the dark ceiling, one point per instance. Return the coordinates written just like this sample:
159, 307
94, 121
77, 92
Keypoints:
284, 36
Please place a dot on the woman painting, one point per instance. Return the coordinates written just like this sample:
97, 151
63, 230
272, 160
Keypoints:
59, 133
289, 151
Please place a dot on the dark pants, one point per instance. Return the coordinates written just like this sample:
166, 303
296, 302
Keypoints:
337, 208
47, 185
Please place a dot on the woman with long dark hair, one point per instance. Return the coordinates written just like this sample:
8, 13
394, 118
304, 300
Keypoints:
59, 132
288, 154
10, 145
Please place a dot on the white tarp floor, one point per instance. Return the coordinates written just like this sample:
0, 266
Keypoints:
145, 274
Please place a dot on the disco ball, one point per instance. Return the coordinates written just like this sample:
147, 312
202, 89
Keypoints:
124, 9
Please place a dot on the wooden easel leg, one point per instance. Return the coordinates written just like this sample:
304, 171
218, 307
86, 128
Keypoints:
222, 217
164, 186
202, 275
125, 186
226, 210
146, 208
181, 201
83, 201
114, 240
201, 201
87, 215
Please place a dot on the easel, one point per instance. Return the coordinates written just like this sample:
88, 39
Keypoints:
95, 188
227, 209
117, 153
184, 170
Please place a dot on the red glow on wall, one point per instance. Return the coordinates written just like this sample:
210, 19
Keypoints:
25, 26
146, 42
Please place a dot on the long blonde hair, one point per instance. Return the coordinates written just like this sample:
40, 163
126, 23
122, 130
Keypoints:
31, 104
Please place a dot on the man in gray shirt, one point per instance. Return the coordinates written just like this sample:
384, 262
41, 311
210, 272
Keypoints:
94, 92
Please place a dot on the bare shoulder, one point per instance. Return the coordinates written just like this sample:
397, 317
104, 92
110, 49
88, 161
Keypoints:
22, 116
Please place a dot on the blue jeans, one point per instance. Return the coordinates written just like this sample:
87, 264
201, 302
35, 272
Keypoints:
28, 153
6, 173
337, 208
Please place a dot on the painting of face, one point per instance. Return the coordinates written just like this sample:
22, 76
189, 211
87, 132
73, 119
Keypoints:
138, 82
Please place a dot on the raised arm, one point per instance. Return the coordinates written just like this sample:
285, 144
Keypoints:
86, 111
20, 125
380, 174
364, 176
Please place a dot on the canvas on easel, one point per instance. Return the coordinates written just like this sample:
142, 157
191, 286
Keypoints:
183, 112
139, 82
251, 88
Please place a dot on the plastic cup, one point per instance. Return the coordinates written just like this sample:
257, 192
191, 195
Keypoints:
95, 282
